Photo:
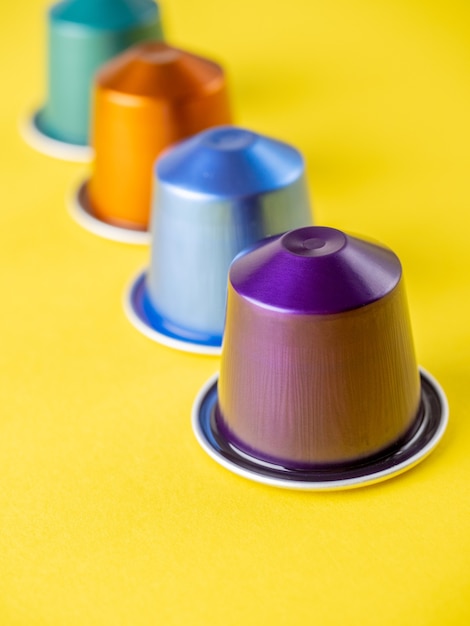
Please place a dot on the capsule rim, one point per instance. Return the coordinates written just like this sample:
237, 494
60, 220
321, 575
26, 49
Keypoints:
133, 308
205, 403
38, 139
81, 210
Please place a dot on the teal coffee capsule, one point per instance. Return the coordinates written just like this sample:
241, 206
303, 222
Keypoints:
82, 35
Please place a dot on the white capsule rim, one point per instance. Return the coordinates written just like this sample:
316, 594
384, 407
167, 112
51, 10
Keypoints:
82, 212
131, 304
37, 139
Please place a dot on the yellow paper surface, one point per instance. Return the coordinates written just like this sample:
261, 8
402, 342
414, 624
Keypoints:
110, 513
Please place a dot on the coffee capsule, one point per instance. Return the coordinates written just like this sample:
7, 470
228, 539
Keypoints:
147, 99
216, 194
83, 34
319, 386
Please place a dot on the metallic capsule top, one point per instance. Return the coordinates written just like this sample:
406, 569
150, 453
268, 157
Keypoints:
157, 70
344, 272
105, 14
231, 163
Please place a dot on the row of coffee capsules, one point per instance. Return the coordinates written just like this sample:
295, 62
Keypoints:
319, 386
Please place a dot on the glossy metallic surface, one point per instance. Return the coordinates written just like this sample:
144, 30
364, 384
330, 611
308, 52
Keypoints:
418, 443
318, 364
142, 314
316, 270
148, 98
84, 34
216, 194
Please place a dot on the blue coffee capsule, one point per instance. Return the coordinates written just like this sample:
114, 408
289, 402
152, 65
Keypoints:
217, 193
83, 34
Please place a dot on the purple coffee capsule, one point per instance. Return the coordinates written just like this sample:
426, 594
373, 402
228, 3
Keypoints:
319, 386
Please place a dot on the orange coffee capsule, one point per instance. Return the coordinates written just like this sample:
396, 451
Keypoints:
146, 99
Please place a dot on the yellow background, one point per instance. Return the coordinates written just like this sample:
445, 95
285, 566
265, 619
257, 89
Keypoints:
110, 513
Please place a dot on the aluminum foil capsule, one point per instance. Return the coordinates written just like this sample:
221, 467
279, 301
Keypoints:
82, 35
147, 99
319, 385
215, 194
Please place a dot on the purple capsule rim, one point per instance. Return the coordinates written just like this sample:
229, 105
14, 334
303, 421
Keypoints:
37, 138
421, 440
143, 316
81, 210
